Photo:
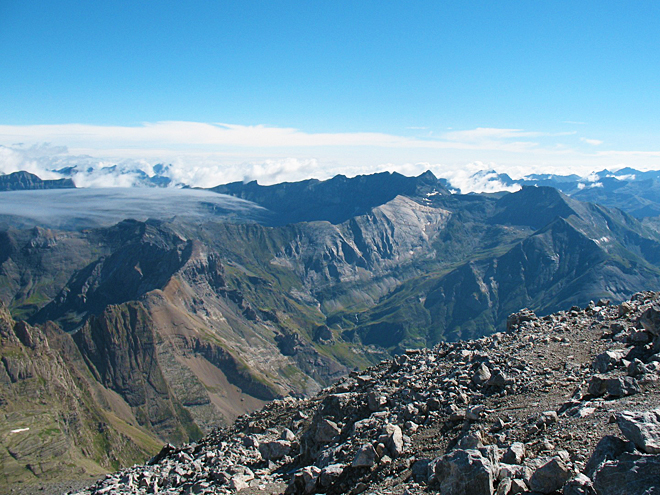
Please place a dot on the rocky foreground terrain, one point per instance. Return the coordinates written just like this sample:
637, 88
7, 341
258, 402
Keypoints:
567, 403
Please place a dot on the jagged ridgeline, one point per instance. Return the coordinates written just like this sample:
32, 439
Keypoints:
167, 328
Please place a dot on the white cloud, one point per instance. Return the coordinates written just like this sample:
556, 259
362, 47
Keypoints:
204, 154
476, 177
181, 136
593, 142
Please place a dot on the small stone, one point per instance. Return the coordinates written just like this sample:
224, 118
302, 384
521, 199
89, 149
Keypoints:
481, 375
515, 453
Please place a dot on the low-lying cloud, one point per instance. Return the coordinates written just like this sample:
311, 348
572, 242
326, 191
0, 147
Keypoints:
76, 208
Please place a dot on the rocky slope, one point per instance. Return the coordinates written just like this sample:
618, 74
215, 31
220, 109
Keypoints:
568, 403
53, 423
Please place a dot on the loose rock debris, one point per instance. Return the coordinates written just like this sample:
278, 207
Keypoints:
565, 403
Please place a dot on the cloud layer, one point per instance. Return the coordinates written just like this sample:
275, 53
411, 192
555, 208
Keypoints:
205, 154
107, 206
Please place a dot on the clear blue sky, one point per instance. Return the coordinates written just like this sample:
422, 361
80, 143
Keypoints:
409, 69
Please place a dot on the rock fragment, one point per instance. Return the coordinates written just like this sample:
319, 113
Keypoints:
631, 474
550, 477
641, 428
365, 457
464, 472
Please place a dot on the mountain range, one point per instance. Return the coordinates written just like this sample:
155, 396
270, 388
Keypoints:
162, 329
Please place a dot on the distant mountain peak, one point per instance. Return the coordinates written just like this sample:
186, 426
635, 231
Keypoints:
22, 180
334, 200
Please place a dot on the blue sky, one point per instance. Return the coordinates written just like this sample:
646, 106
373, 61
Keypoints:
312, 88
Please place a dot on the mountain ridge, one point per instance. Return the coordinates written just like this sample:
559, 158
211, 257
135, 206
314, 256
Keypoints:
201, 320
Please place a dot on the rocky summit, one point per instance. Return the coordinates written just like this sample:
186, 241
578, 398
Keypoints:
566, 403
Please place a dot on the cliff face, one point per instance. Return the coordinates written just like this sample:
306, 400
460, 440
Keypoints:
584, 252
52, 424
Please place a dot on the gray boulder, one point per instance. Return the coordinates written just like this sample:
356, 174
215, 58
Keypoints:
481, 375
609, 360
608, 448
616, 387
550, 477
365, 456
326, 431
641, 428
631, 474
515, 453
650, 319
272, 451
580, 485
421, 470
622, 386
375, 401
392, 437
517, 487
597, 385
464, 472
330, 474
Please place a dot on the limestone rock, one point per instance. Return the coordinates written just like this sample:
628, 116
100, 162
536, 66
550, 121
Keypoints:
515, 453
550, 477
631, 474
580, 485
365, 457
641, 428
274, 450
464, 472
